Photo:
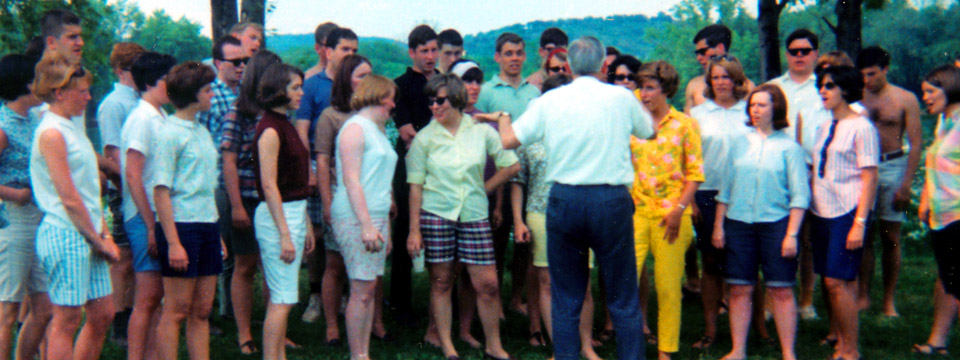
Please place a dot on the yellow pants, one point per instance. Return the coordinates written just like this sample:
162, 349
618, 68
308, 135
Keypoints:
668, 266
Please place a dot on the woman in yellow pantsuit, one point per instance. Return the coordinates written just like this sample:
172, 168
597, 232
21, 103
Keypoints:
668, 171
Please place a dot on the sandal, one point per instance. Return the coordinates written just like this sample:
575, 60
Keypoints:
248, 348
930, 350
704, 343
538, 338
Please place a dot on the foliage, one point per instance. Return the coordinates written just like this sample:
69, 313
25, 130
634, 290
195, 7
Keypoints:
162, 34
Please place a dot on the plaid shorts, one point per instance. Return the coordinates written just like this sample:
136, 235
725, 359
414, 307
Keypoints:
445, 240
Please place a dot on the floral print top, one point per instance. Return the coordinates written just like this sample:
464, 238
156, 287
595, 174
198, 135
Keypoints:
533, 173
662, 165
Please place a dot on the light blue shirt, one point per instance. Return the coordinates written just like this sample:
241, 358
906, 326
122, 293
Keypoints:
113, 111
82, 160
719, 129
377, 166
768, 177
185, 161
498, 95
586, 127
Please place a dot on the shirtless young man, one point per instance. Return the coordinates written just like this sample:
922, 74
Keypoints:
550, 39
896, 113
713, 40
319, 41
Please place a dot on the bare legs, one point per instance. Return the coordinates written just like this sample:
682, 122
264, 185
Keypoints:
65, 322
360, 311
784, 314
332, 290
34, 326
484, 280
890, 260
241, 293
844, 316
189, 299
275, 330
141, 331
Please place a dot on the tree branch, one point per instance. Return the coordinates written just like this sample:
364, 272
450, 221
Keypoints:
781, 5
832, 27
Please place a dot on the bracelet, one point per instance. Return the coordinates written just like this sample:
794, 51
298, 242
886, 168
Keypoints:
681, 206
861, 221
792, 235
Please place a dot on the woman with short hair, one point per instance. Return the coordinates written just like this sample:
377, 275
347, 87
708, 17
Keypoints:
73, 242
623, 70
556, 62
184, 181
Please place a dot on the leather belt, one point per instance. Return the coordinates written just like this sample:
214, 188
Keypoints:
891, 155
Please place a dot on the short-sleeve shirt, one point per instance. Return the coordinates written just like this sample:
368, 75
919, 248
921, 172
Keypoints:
533, 173
377, 165
855, 146
137, 134
498, 95
943, 173
316, 98
82, 160
450, 168
293, 159
803, 99
113, 111
664, 164
15, 159
767, 177
237, 137
329, 125
585, 127
719, 129
221, 103
186, 163
412, 107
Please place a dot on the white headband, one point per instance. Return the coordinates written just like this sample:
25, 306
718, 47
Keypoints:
462, 68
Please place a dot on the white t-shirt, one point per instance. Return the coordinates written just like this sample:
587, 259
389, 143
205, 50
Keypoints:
137, 134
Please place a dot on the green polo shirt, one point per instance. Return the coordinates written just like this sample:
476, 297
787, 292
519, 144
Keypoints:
498, 95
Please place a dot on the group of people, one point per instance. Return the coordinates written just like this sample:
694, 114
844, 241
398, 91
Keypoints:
262, 166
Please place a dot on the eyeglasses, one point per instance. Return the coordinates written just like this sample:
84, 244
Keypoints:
701, 51
622, 77
439, 100
237, 62
829, 85
799, 51
556, 69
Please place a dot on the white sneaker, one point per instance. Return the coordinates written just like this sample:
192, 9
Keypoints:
808, 313
313, 312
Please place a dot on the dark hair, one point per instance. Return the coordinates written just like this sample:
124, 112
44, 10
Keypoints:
661, 72
873, 56
848, 78
803, 34
335, 35
16, 72
555, 81
224, 41
320, 34
612, 51
53, 21
272, 90
185, 81
508, 37
420, 35
474, 74
342, 88
832, 58
631, 63
456, 93
124, 54
714, 35
450, 37
247, 104
779, 105
35, 48
947, 78
554, 36
149, 67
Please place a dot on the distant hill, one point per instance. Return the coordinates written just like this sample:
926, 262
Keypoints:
389, 57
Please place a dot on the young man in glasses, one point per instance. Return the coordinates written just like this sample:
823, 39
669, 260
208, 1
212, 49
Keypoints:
710, 43
229, 59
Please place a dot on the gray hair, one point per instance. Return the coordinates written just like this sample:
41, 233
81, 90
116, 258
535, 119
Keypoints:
586, 56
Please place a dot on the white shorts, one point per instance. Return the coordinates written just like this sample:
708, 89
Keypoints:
889, 179
282, 278
76, 274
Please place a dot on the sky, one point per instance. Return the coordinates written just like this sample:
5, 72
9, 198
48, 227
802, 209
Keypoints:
394, 18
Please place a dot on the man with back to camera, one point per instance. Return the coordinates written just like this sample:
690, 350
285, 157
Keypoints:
895, 112
451, 48
411, 114
585, 127
550, 39
319, 44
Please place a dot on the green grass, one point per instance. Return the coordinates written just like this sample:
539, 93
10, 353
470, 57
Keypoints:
881, 338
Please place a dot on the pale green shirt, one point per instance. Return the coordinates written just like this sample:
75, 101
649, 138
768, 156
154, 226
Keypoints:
450, 168
498, 95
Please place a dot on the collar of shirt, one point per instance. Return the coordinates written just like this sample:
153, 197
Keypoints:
672, 115
785, 79
712, 106
498, 81
219, 87
153, 111
8, 113
182, 122
465, 123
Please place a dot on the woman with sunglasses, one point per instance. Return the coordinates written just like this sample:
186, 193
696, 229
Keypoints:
723, 121
623, 70
74, 245
760, 204
845, 160
449, 207
556, 62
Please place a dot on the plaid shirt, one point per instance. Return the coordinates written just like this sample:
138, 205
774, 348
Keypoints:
220, 105
237, 136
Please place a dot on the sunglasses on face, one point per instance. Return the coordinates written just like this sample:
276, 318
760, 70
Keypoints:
556, 69
701, 51
439, 100
829, 85
622, 77
799, 51
237, 62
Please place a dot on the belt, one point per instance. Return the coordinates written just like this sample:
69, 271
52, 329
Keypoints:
891, 155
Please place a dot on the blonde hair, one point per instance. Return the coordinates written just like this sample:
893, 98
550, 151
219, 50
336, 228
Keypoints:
54, 71
371, 91
733, 68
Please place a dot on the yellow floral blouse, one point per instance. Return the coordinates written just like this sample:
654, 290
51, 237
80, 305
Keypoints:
662, 165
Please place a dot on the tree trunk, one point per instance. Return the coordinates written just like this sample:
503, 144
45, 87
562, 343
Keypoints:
224, 17
254, 11
849, 26
768, 18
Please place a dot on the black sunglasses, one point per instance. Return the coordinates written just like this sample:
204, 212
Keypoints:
79, 73
622, 77
556, 69
829, 85
799, 51
701, 51
237, 62
439, 100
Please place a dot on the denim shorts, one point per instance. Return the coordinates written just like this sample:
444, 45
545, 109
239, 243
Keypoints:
136, 231
830, 255
750, 246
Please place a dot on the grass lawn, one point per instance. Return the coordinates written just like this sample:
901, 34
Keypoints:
881, 338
